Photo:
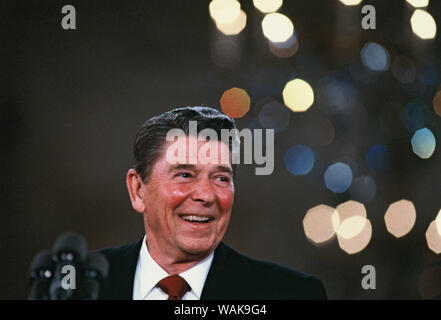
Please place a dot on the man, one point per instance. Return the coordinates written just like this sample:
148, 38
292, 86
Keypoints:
186, 206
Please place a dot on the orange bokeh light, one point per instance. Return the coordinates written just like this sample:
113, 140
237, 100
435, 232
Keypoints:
235, 102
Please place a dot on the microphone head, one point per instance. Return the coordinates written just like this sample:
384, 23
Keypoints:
39, 290
69, 247
42, 265
96, 262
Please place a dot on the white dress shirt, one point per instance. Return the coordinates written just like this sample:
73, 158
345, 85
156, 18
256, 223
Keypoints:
148, 273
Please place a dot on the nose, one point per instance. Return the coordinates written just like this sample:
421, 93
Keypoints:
204, 192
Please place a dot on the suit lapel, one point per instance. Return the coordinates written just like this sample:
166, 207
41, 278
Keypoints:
218, 283
119, 284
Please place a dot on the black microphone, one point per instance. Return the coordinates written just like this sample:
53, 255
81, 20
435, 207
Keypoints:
67, 272
95, 270
69, 251
41, 273
69, 247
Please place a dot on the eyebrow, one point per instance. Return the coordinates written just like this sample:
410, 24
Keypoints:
193, 167
182, 166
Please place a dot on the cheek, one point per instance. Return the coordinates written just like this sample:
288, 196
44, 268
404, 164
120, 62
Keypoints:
225, 200
176, 194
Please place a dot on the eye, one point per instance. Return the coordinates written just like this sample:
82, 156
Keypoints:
223, 179
184, 175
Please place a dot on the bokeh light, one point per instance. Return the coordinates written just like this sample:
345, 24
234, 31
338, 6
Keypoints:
400, 218
437, 103
274, 115
321, 223
355, 230
433, 238
298, 95
224, 11
360, 241
284, 49
299, 159
351, 209
235, 27
266, 6
423, 24
350, 2
418, 3
338, 177
414, 115
363, 189
351, 161
375, 57
438, 222
423, 143
339, 95
235, 102
378, 159
403, 69
351, 227
428, 74
277, 27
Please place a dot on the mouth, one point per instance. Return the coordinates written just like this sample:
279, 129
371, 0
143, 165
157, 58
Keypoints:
196, 219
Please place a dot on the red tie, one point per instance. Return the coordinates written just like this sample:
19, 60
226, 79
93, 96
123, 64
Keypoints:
174, 286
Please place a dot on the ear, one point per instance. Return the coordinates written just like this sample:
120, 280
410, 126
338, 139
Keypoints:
135, 188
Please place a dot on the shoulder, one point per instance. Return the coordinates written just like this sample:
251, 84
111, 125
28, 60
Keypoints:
270, 280
122, 266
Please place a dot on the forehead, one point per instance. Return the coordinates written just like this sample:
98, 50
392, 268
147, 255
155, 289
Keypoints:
189, 150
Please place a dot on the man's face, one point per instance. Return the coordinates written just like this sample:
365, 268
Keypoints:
188, 206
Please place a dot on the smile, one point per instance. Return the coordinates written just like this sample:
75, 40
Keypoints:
195, 219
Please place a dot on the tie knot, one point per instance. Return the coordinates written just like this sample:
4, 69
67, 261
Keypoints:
175, 286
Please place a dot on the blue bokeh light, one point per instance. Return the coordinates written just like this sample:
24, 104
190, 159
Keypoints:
423, 143
378, 158
338, 177
414, 115
299, 159
375, 57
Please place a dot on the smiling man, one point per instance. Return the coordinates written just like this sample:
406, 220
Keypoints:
186, 206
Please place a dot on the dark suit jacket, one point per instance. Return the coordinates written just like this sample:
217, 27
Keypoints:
231, 276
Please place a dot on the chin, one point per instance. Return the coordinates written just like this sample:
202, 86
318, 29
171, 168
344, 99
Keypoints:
198, 247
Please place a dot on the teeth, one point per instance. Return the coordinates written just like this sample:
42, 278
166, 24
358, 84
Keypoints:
196, 218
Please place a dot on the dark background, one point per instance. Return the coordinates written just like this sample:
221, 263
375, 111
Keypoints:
72, 100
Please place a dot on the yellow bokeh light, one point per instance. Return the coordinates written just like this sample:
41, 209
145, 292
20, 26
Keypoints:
351, 227
350, 209
352, 216
267, 6
359, 242
224, 11
351, 2
418, 3
298, 95
235, 27
400, 218
235, 102
433, 238
277, 27
437, 103
423, 24
320, 223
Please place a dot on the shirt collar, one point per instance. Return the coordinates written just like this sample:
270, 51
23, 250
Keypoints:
151, 272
